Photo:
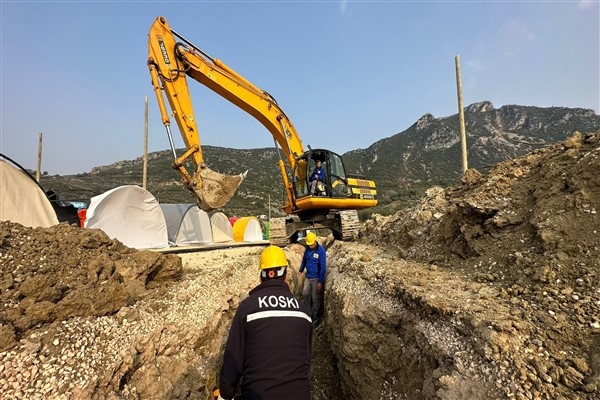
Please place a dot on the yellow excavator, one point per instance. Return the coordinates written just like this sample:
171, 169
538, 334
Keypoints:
334, 203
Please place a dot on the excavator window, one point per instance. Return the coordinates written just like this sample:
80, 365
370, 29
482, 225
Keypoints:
337, 177
300, 186
300, 182
336, 182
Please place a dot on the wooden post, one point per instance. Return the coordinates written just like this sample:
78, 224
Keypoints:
145, 167
461, 116
39, 158
269, 232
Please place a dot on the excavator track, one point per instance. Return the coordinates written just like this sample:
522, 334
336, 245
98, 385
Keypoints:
344, 225
350, 224
277, 232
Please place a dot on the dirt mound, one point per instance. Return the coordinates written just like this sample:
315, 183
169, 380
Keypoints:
63, 271
485, 290
528, 230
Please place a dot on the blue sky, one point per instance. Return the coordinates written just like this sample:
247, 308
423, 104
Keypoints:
347, 73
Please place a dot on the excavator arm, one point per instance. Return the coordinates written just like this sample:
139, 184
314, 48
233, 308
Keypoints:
168, 71
170, 62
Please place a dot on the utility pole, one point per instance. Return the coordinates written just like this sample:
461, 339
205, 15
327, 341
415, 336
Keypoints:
145, 167
461, 116
268, 234
39, 158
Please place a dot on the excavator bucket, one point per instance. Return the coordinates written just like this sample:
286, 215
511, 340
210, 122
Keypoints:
214, 189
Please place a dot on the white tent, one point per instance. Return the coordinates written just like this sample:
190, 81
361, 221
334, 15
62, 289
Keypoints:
187, 224
222, 231
131, 215
247, 229
22, 200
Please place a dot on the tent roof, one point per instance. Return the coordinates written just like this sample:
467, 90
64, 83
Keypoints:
221, 228
131, 215
22, 200
187, 224
247, 229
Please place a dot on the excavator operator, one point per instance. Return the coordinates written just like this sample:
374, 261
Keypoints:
317, 178
269, 343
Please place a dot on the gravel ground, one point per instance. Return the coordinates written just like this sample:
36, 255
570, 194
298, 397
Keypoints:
108, 356
505, 265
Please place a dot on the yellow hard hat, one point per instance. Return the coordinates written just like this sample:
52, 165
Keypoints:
272, 257
310, 238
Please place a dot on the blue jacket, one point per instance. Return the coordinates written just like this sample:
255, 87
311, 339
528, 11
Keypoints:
315, 262
318, 174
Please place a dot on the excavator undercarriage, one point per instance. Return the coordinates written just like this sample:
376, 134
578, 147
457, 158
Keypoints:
344, 225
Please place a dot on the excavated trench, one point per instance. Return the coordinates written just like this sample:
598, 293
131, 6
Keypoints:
386, 343
380, 341
393, 329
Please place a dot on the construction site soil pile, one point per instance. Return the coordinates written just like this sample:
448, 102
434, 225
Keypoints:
510, 265
62, 272
485, 290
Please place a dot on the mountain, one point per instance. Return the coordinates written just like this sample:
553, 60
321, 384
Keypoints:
428, 153
404, 165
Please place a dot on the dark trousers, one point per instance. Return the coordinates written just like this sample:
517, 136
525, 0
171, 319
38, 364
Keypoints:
312, 297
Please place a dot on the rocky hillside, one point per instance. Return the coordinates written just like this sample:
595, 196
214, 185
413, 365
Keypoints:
428, 153
403, 165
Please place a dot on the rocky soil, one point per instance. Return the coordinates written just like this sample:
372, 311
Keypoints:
491, 288
488, 290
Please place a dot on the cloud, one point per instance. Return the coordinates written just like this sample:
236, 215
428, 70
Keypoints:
343, 6
513, 38
585, 4
475, 65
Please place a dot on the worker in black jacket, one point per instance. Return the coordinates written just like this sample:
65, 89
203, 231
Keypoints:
269, 344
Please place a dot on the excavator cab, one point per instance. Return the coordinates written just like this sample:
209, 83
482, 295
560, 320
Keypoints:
334, 184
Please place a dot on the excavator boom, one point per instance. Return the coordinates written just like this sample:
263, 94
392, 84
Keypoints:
168, 73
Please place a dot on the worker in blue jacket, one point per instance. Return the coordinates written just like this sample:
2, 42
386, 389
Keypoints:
314, 261
317, 179
267, 355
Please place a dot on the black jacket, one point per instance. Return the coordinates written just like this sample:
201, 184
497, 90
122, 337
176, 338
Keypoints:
269, 345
